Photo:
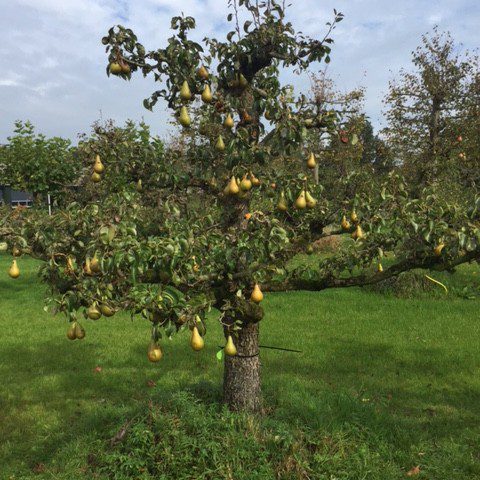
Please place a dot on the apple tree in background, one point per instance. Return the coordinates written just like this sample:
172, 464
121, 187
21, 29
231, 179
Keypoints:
219, 214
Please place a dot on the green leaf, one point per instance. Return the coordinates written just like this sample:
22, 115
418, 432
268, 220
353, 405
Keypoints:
219, 355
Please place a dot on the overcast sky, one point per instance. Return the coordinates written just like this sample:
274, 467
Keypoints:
52, 64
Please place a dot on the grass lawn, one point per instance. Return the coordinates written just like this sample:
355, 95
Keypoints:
382, 385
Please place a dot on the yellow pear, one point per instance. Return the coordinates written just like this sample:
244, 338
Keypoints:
115, 68
95, 265
354, 216
380, 268
220, 145
96, 177
87, 268
233, 188
185, 93
196, 342
207, 96
311, 162
98, 165
311, 202
93, 312
184, 117
154, 352
228, 123
106, 310
245, 184
242, 81
257, 295
301, 201
202, 72
14, 271
358, 233
79, 331
72, 331
345, 223
255, 180
438, 249
139, 187
282, 203
70, 267
230, 348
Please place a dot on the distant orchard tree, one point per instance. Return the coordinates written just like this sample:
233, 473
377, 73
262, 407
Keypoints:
423, 110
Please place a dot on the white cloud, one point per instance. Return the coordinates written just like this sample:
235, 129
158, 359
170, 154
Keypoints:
55, 64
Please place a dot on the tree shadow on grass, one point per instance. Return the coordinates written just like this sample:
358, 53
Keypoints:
53, 393
419, 393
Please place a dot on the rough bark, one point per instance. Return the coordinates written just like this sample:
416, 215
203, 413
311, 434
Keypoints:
241, 379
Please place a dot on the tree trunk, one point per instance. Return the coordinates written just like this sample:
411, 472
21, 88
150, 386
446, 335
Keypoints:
241, 379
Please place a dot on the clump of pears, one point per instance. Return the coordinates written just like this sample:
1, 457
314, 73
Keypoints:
98, 169
75, 331
241, 187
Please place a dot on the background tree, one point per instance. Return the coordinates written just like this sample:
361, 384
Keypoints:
38, 164
423, 108
227, 218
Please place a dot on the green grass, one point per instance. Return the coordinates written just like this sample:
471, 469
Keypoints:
382, 384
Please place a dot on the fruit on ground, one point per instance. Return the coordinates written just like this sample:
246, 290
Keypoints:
311, 202
345, 223
257, 295
233, 187
220, 145
207, 96
184, 117
185, 93
255, 180
311, 162
354, 216
98, 165
230, 348
246, 184
358, 233
282, 203
196, 341
93, 312
14, 271
228, 123
301, 201
154, 352
115, 68
380, 268
96, 177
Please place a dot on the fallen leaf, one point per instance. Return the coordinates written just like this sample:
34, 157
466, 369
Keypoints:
97, 369
413, 471
151, 383
39, 468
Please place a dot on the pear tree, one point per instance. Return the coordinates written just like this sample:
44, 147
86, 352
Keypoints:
229, 213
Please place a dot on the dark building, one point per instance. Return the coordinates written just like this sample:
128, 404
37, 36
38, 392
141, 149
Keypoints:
8, 196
